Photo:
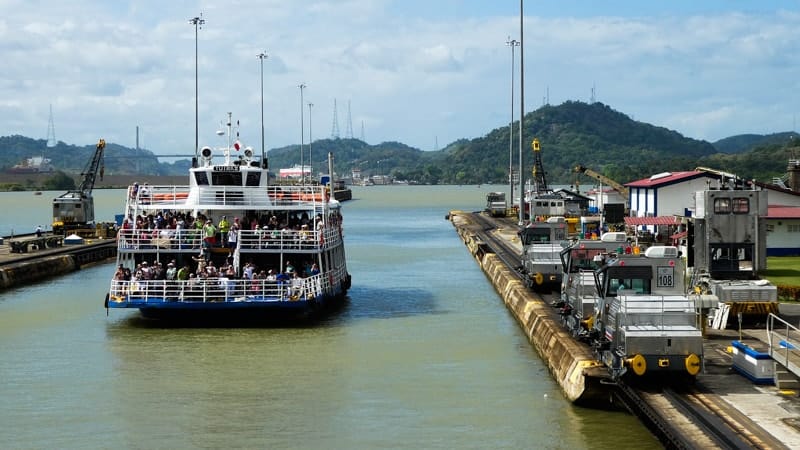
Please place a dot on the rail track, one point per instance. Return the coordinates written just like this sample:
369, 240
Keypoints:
681, 416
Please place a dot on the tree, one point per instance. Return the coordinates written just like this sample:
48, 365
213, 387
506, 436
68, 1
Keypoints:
59, 181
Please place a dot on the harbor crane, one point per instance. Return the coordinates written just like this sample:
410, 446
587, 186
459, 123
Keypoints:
74, 209
605, 180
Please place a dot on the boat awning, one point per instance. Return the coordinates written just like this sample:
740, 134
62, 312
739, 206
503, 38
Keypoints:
657, 220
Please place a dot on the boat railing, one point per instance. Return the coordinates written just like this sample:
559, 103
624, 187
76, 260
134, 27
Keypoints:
221, 289
150, 197
275, 240
132, 240
166, 196
286, 239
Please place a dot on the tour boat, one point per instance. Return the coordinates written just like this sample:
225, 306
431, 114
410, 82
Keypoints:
230, 244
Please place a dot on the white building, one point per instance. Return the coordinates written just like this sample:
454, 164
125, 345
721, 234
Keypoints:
660, 202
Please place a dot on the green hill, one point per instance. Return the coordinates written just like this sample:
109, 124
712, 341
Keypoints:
573, 133
745, 142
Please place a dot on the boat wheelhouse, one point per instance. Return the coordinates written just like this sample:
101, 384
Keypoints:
230, 244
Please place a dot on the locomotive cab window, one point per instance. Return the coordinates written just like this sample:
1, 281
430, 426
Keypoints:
722, 205
741, 205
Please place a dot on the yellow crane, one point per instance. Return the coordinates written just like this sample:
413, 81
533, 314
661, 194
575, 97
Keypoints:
603, 179
623, 191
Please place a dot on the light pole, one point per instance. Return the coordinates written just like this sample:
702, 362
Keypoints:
310, 140
302, 132
511, 43
521, 117
198, 23
262, 56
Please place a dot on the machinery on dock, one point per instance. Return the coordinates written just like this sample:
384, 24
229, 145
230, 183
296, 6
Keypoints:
578, 290
727, 242
73, 211
542, 243
623, 191
496, 204
644, 321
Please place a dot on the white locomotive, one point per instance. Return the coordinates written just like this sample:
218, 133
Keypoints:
643, 319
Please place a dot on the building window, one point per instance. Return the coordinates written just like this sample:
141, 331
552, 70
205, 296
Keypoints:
741, 205
722, 206
793, 228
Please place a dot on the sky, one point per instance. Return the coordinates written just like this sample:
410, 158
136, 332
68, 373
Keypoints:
424, 73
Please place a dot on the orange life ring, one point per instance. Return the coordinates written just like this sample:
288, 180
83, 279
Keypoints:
311, 197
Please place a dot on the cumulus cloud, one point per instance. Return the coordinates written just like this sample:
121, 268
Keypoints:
411, 73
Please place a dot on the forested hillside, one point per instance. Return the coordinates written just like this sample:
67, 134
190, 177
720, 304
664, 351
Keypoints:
573, 133
745, 142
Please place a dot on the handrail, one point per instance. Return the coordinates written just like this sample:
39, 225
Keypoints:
786, 343
129, 240
175, 196
658, 310
222, 289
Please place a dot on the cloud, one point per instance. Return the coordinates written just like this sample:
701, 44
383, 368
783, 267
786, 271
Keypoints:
411, 72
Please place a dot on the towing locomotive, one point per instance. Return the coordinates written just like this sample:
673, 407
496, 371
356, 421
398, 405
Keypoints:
645, 321
631, 307
542, 243
579, 261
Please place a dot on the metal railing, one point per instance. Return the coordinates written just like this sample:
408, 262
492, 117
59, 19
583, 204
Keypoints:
659, 311
131, 240
784, 343
242, 196
222, 289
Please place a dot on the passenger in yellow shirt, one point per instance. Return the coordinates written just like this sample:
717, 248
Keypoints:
224, 227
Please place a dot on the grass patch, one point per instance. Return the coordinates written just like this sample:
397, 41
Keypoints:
784, 272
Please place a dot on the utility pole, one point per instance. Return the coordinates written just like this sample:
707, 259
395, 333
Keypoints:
262, 56
521, 117
302, 130
310, 140
198, 24
511, 43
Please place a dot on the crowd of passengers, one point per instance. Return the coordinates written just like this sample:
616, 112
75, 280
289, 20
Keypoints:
206, 273
185, 228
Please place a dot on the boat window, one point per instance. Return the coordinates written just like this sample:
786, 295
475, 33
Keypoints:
253, 178
226, 178
201, 178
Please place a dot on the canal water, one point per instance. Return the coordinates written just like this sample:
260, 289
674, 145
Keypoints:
423, 355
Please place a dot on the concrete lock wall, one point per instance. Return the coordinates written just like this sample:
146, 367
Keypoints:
569, 361
31, 271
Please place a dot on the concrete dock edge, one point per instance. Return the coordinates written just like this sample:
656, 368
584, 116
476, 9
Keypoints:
24, 269
570, 362
28, 272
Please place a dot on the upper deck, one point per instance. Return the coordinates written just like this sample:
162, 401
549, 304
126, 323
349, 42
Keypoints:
149, 198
